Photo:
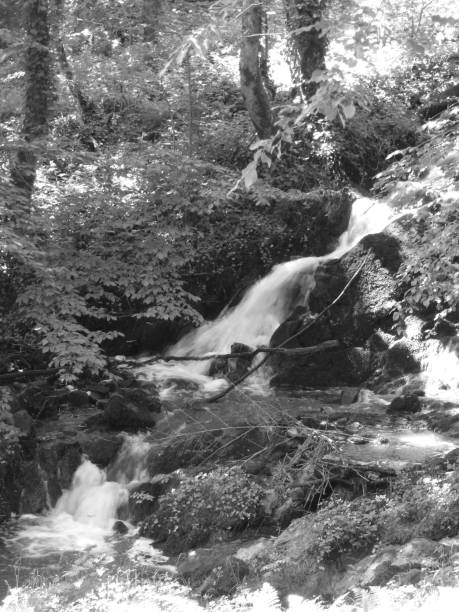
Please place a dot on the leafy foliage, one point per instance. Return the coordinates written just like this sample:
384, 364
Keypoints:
225, 499
8, 432
432, 274
122, 223
427, 507
342, 526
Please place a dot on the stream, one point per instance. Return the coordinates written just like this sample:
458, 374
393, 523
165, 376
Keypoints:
77, 539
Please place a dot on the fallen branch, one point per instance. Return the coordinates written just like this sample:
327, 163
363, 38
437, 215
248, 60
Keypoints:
13, 376
306, 350
233, 385
302, 350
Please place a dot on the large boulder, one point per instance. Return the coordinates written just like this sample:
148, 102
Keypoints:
58, 460
41, 399
365, 306
214, 571
131, 409
232, 368
34, 494
143, 498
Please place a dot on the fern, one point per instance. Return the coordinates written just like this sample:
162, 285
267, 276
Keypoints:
266, 599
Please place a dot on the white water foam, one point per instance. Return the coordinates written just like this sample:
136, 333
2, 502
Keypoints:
263, 308
84, 515
440, 366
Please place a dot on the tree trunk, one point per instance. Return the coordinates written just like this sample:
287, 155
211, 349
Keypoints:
150, 15
85, 105
37, 66
252, 87
308, 48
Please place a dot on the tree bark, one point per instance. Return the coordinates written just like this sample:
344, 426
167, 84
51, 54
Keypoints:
308, 48
85, 105
252, 86
37, 66
150, 15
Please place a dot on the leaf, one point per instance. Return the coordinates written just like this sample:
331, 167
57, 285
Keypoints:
318, 76
250, 174
348, 109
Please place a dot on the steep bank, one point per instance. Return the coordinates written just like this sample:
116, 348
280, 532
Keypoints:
402, 309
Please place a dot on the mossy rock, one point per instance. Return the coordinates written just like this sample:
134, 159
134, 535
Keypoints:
217, 502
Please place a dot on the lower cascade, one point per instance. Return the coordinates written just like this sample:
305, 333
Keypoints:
85, 515
82, 518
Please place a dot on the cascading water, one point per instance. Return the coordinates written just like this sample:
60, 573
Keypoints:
84, 515
440, 369
263, 307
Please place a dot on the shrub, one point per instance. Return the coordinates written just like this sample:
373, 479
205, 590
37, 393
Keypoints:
219, 501
343, 526
431, 275
428, 508
381, 125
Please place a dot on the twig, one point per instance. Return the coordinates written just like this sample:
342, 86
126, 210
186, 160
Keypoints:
12, 376
218, 396
302, 350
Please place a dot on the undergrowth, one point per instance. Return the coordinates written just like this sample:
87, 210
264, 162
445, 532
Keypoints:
223, 500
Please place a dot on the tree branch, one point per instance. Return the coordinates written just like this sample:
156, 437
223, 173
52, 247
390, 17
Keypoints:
13, 376
218, 396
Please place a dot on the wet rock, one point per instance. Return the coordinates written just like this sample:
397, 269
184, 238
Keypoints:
33, 496
401, 359
217, 366
389, 562
11, 479
78, 398
143, 498
100, 447
452, 458
41, 400
346, 366
101, 389
120, 527
233, 369
358, 440
414, 388
58, 460
349, 395
405, 403
239, 366
24, 422
131, 409
412, 576
380, 341
444, 329
214, 572
220, 444
183, 384
365, 307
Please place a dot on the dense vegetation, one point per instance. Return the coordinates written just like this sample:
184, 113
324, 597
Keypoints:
137, 184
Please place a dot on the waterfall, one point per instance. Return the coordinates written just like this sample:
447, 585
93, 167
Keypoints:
84, 515
440, 369
264, 306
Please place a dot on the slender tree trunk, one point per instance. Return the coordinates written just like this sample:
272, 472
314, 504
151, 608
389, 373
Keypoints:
38, 79
252, 86
150, 15
264, 58
85, 105
308, 48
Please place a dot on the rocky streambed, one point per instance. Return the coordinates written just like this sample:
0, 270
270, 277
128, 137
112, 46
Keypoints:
250, 490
